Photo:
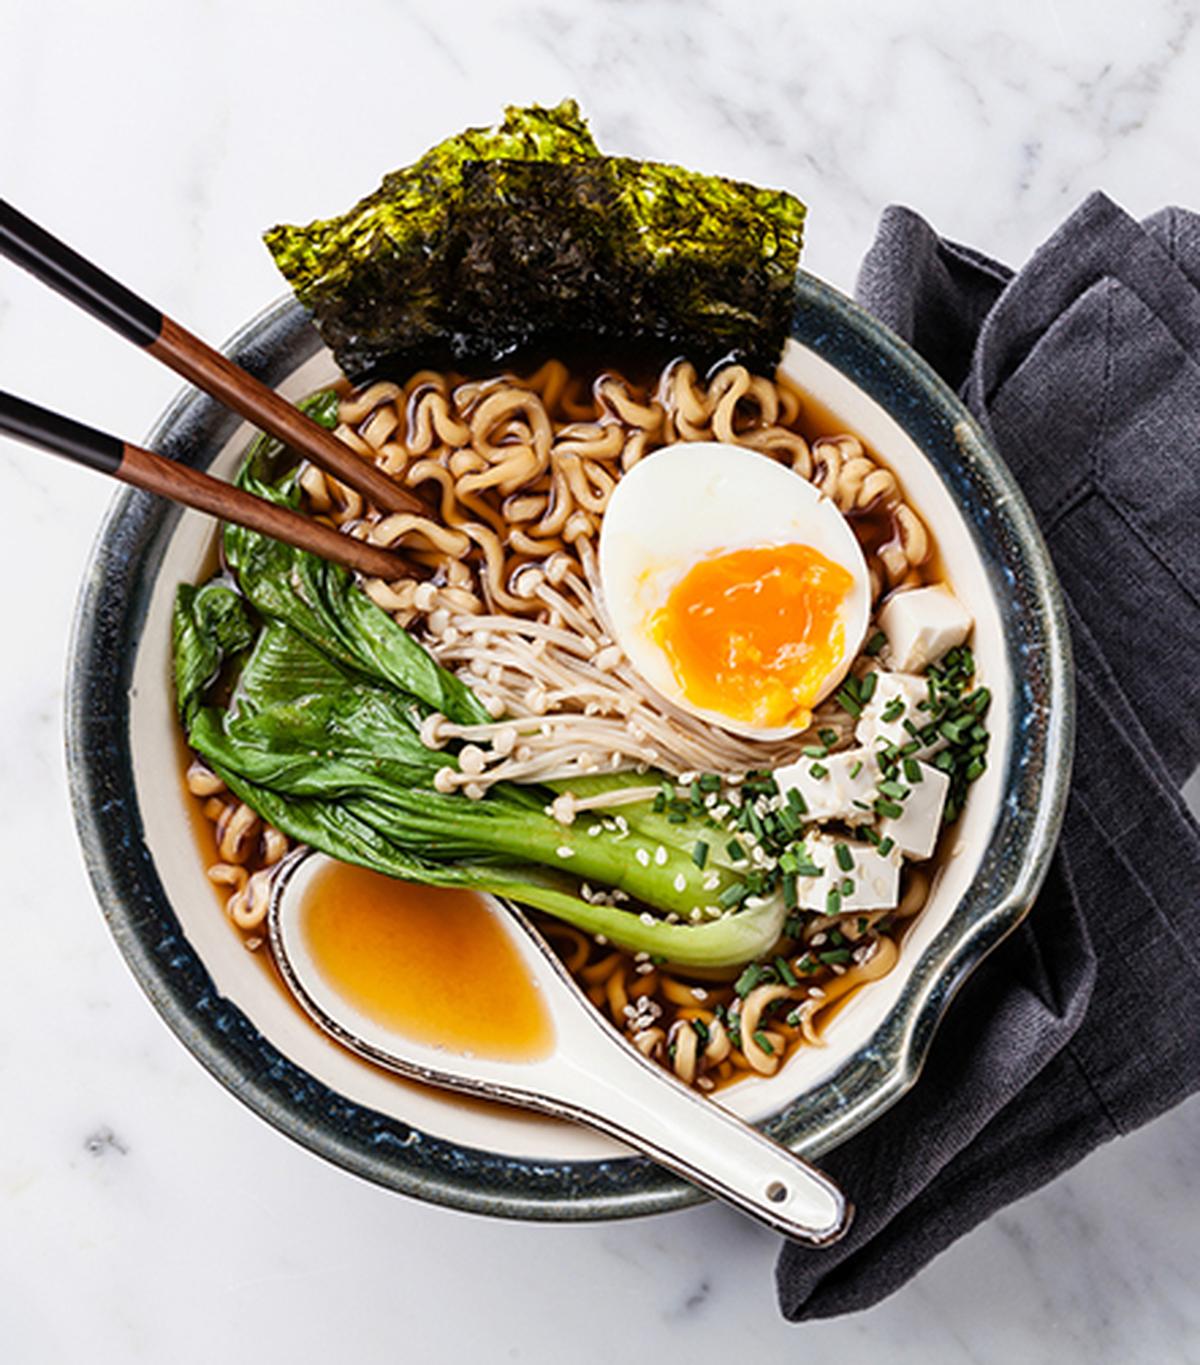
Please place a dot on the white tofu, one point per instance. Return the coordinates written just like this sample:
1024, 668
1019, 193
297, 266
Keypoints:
850, 776
916, 831
921, 625
875, 877
910, 690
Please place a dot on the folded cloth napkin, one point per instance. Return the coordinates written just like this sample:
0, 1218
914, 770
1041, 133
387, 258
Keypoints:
1084, 367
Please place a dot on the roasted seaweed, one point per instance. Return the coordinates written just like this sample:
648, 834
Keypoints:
525, 236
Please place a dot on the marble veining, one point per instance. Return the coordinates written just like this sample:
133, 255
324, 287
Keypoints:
144, 1214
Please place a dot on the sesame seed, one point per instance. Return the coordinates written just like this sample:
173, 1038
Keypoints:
680, 882
699, 993
643, 857
564, 851
660, 855
818, 939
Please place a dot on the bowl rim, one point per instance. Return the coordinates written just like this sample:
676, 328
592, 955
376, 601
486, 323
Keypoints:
111, 608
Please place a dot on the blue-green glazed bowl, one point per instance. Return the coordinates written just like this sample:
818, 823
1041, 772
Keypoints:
132, 813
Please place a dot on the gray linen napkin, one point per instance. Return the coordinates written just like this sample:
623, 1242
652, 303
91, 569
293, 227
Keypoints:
1085, 369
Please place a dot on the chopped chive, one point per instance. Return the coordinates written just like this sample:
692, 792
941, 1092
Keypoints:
660, 804
836, 939
893, 710
833, 901
710, 782
735, 851
975, 768
889, 809
859, 805
676, 817
748, 980
836, 957
848, 702
845, 858
847, 886
871, 835
816, 750
889, 788
701, 1030
818, 770
912, 770
764, 1042
697, 797
733, 895
797, 802
828, 737
786, 975
856, 767
699, 853
862, 923
875, 643
886, 845
791, 895
807, 964
866, 688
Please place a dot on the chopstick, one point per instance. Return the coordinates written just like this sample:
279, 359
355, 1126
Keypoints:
86, 285
144, 469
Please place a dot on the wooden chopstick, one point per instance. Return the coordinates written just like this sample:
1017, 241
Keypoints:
144, 469
64, 270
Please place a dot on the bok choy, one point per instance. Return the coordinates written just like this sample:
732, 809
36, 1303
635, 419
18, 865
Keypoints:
320, 735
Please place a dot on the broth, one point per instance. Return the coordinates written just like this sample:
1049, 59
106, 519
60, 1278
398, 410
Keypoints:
434, 964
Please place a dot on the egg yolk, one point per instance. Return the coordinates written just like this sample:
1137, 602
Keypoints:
753, 634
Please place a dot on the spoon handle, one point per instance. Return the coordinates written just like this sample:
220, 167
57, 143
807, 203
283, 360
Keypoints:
634, 1100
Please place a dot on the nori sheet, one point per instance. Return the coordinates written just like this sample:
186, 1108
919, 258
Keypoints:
525, 236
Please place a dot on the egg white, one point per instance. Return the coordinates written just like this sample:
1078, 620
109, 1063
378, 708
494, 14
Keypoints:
689, 501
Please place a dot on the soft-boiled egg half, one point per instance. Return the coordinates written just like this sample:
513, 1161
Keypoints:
734, 587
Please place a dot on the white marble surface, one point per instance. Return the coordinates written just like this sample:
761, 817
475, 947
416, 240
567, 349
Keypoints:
144, 1214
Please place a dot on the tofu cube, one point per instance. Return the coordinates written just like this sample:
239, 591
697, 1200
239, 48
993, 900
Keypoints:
847, 776
874, 877
921, 625
898, 697
916, 831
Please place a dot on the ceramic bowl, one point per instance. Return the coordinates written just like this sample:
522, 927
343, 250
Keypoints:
135, 818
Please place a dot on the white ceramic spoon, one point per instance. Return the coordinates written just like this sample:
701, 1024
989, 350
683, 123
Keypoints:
590, 1075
